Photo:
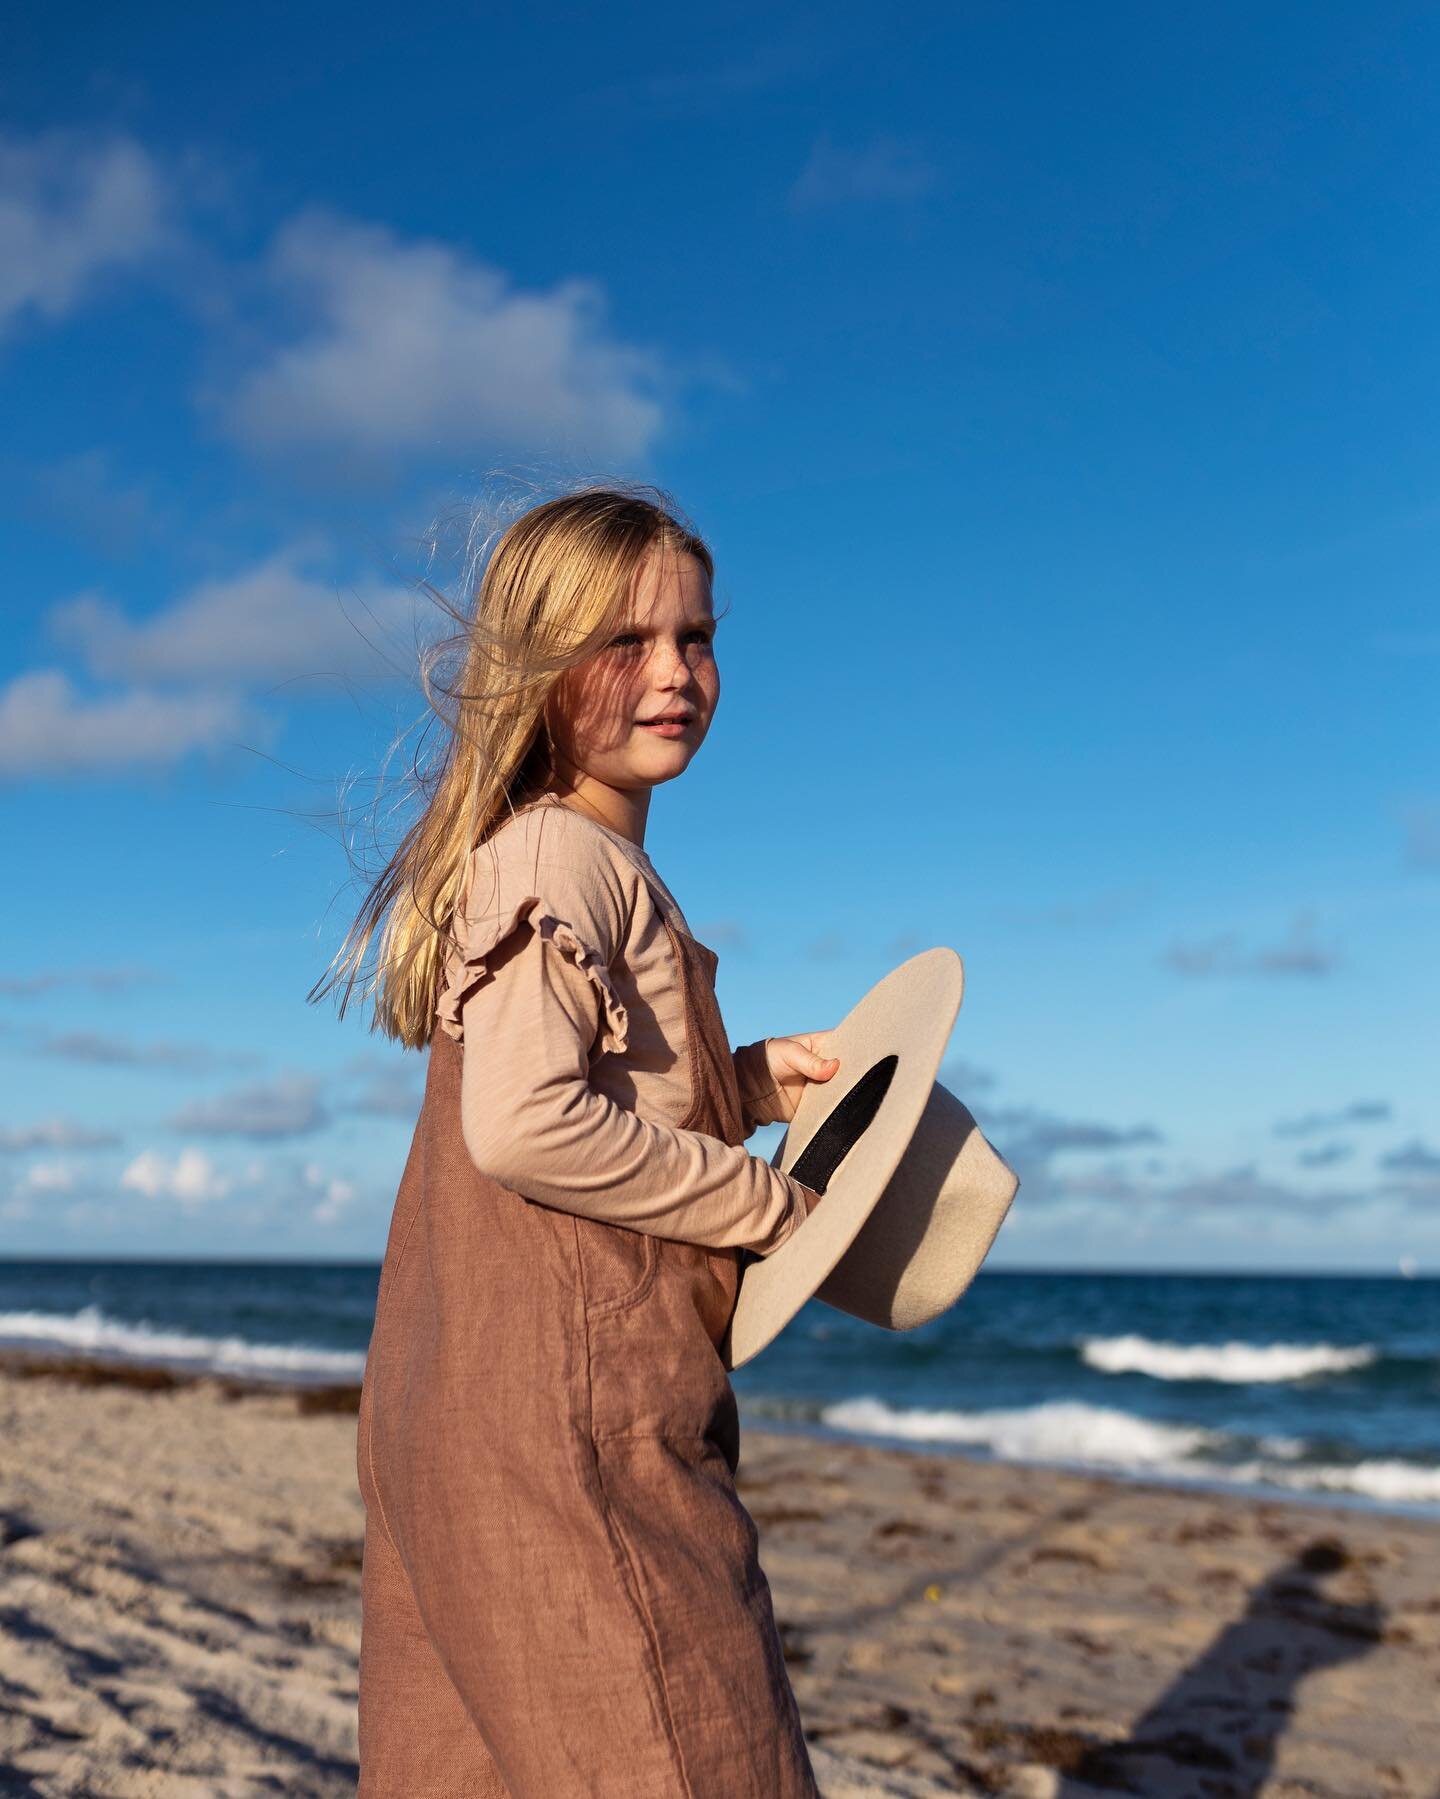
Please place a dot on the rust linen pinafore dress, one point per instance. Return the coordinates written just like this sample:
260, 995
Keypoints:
561, 1588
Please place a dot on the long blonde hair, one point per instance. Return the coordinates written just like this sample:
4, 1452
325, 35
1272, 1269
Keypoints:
555, 587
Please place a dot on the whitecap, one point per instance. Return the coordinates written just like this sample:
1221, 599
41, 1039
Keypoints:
1059, 1429
1241, 1363
90, 1331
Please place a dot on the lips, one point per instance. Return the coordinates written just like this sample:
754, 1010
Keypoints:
668, 718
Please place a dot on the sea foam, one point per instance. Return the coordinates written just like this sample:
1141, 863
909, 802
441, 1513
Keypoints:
1061, 1428
92, 1332
1070, 1433
1242, 1363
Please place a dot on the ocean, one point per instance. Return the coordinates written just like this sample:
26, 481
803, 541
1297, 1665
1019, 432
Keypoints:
1324, 1387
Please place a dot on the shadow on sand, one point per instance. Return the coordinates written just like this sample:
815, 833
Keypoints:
1214, 1730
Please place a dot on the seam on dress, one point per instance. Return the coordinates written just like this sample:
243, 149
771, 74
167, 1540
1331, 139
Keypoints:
370, 1417
621, 1548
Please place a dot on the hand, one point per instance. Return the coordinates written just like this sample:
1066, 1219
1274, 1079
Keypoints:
793, 1063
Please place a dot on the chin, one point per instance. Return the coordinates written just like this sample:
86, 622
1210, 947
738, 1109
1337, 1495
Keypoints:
665, 768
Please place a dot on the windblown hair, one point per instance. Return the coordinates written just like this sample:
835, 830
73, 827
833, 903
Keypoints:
555, 587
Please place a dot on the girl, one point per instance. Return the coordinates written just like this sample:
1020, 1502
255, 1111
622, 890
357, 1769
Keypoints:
561, 1592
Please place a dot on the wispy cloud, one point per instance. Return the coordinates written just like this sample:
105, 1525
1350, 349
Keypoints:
1088, 1163
1325, 1155
1413, 1175
287, 1106
119, 1052
963, 1077
1103, 908
275, 620
1037, 1136
1359, 1111
48, 727
884, 170
409, 347
388, 1092
1414, 1158
92, 980
55, 1133
1298, 954
1239, 1190
73, 209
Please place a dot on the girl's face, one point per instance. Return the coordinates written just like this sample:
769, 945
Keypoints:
662, 663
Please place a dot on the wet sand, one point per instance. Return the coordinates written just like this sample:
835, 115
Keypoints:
179, 1612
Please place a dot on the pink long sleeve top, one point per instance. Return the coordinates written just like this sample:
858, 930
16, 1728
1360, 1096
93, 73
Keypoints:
561, 986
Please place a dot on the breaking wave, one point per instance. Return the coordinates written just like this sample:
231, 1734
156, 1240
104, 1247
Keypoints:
1242, 1363
1071, 1433
91, 1332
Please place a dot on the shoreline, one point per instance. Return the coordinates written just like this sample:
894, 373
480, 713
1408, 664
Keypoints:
181, 1557
344, 1397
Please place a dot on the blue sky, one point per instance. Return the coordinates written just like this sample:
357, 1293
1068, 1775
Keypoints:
1057, 389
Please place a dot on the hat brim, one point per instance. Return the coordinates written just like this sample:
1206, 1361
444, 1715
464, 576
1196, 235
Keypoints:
908, 1017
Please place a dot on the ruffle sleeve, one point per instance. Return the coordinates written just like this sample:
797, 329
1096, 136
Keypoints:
479, 938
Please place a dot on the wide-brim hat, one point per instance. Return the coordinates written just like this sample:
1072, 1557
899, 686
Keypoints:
912, 1193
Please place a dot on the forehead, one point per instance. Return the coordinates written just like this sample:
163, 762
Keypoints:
671, 583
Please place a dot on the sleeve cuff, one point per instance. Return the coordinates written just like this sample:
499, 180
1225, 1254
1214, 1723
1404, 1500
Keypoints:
761, 1101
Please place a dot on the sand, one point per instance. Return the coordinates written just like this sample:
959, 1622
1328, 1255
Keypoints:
180, 1613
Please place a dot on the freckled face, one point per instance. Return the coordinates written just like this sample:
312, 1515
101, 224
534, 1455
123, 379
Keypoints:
662, 662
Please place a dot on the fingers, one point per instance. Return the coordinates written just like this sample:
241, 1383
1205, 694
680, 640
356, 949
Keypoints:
805, 1057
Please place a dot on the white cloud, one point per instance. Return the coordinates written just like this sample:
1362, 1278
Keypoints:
47, 727
336, 1194
420, 347
71, 208
181, 667
47, 1177
191, 1178
271, 621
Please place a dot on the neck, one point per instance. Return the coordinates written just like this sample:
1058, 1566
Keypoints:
624, 810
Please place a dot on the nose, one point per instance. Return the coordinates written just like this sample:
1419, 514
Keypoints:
671, 661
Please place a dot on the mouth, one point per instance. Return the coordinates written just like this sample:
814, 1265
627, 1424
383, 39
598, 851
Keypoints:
668, 718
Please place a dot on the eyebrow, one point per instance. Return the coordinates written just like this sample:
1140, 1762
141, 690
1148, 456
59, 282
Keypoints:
691, 624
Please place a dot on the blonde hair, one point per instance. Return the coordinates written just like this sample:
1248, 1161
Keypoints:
555, 587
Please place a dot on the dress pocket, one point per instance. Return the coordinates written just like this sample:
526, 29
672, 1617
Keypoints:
617, 1265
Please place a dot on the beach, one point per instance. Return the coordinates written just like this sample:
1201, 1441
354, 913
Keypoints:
180, 1611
